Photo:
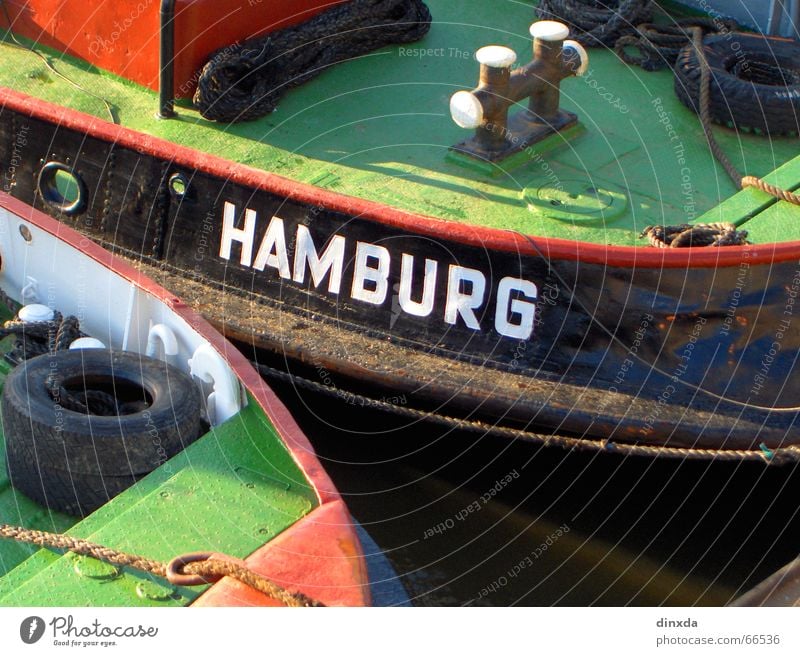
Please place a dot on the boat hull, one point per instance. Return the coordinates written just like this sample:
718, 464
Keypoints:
325, 559
691, 349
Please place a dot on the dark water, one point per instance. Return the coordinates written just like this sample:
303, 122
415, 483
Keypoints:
469, 519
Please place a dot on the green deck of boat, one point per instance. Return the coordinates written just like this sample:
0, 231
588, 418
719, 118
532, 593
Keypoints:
367, 124
234, 489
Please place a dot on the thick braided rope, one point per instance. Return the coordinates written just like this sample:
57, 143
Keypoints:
47, 336
245, 81
660, 45
212, 569
82, 547
595, 23
698, 234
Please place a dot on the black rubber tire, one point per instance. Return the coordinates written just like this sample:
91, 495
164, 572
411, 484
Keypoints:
737, 102
74, 462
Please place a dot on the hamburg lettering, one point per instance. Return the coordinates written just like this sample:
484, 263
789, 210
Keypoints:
374, 270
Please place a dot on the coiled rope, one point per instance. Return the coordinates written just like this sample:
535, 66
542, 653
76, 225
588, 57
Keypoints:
36, 339
596, 22
244, 82
660, 45
699, 234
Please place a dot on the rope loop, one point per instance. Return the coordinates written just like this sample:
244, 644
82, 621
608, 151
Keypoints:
192, 569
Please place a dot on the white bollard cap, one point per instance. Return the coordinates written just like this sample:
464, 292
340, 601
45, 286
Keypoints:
496, 56
466, 110
35, 313
86, 343
547, 30
584, 56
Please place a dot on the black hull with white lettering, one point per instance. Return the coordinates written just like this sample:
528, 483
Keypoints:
606, 344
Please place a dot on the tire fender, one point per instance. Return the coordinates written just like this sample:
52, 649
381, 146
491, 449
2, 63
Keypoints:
74, 462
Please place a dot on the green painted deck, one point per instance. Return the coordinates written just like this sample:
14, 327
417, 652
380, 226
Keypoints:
379, 128
234, 489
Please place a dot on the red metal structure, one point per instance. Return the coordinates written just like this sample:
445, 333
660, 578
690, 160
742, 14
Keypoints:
123, 37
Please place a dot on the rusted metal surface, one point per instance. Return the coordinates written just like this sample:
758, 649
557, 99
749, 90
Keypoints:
499, 136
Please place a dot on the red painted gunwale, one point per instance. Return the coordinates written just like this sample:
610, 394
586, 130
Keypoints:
410, 222
339, 578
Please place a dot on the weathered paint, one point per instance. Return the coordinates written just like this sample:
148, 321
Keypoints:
649, 150
315, 556
587, 323
636, 134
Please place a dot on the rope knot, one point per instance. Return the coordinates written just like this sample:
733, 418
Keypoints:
699, 234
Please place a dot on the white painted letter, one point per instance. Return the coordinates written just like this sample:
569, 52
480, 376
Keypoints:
526, 309
274, 239
363, 273
332, 260
461, 303
425, 306
244, 235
